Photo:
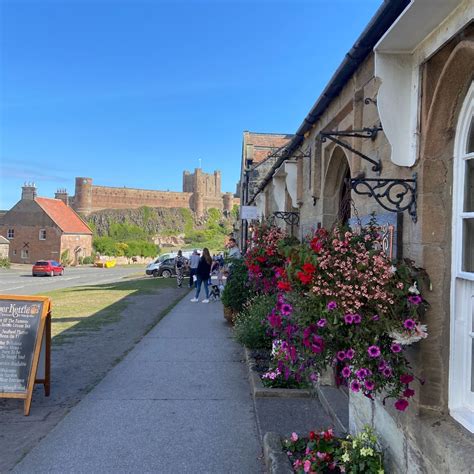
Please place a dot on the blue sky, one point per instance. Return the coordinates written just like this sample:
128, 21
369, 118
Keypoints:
131, 93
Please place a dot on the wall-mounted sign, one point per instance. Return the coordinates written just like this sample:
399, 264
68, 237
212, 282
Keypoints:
249, 212
25, 346
390, 226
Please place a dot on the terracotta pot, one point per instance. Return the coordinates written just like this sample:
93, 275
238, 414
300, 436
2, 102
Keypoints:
229, 315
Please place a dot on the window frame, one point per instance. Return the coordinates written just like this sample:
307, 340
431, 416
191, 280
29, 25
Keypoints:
44, 234
11, 233
461, 370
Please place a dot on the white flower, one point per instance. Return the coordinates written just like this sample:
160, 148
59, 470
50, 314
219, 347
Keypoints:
345, 457
414, 289
404, 338
393, 268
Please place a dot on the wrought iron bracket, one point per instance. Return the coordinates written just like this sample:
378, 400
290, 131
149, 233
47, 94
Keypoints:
394, 195
364, 133
291, 218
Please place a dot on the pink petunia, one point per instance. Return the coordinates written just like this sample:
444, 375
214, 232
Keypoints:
401, 404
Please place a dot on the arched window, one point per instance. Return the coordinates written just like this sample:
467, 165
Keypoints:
461, 370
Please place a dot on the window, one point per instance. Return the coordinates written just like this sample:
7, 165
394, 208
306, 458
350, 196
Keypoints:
11, 233
461, 369
42, 234
24, 253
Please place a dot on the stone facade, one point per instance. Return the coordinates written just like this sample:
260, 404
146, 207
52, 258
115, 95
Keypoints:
426, 438
4, 247
201, 191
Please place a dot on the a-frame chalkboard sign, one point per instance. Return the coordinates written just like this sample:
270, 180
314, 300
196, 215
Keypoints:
25, 346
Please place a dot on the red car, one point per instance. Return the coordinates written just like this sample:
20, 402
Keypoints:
47, 267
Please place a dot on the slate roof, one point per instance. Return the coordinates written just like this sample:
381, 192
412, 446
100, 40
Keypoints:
63, 216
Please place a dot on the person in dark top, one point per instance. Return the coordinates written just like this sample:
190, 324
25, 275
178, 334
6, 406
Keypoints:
203, 272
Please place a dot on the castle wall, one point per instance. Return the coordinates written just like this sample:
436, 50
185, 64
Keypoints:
123, 198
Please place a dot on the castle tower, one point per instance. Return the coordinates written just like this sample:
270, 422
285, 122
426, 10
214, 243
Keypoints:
217, 180
228, 199
83, 195
62, 195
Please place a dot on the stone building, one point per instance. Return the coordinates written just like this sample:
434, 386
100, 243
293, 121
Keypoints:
260, 151
201, 191
40, 228
398, 116
4, 247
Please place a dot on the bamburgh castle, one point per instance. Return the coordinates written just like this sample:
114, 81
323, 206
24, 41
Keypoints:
201, 191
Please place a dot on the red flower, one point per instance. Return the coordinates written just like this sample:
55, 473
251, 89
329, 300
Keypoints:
408, 392
308, 268
401, 404
304, 278
316, 245
328, 435
312, 435
260, 259
406, 378
284, 285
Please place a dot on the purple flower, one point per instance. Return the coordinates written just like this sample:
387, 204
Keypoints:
274, 320
355, 386
332, 305
369, 384
321, 323
348, 318
374, 351
341, 355
415, 299
350, 354
387, 372
346, 372
362, 373
396, 347
382, 365
318, 344
409, 324
375, 317
286, 309
357, 318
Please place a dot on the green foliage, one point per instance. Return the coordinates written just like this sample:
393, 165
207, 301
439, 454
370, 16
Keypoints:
140, 248
86, 260
235, 212
104, 245
249, 328
237, 290
124, 232
188, 220
65, 257
4, 262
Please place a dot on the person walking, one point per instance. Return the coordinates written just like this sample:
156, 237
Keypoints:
180, 264
193, 264
203, 272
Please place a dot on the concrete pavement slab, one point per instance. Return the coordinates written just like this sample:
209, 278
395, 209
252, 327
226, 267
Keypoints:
179, 402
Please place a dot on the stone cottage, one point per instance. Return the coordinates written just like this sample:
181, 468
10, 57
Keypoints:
393, 133
44, 229
4, 246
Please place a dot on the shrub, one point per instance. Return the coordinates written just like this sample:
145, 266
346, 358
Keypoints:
65, 258
250, 329
4, 262
237, 290
87, 260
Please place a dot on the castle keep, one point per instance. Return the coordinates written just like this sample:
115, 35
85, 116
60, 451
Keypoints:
201, 191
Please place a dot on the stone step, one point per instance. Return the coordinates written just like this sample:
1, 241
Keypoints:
336, 404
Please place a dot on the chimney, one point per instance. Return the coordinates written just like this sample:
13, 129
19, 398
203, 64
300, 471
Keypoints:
62, 195
28, 192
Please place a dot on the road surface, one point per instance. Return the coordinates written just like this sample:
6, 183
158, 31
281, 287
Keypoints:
19, 281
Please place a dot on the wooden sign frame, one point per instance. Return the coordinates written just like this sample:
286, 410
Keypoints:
42, 342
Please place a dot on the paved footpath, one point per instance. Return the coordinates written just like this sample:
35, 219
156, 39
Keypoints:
179, 402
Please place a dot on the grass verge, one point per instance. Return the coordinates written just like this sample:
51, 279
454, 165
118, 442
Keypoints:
91, 307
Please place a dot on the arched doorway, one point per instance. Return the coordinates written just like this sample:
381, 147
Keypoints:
336, 192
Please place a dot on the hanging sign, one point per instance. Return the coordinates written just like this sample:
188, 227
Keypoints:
25, 346
390, 226
249, 212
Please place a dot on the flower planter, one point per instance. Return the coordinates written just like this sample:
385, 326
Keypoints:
259, 390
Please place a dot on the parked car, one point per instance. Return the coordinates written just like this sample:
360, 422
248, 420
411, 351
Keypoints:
47, 267
165, 268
